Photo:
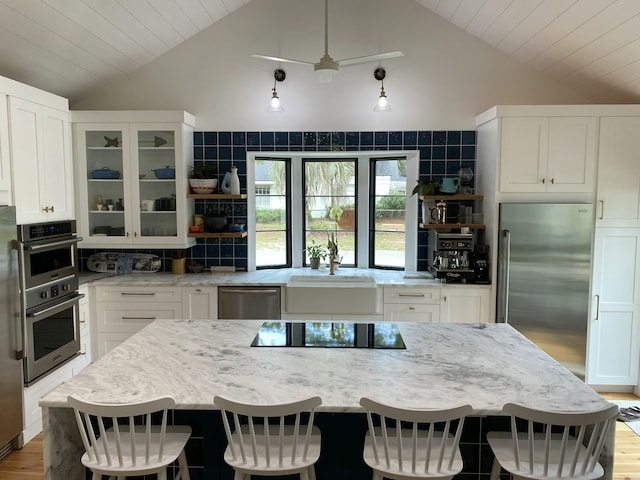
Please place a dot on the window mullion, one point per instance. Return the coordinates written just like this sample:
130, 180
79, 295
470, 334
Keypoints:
297, 214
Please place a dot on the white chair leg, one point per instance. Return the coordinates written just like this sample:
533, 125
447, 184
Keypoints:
241, 476
377, 476
495, 470
184, 467
312, 472
304, 475
162, 475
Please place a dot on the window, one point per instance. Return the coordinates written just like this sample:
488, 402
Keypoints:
330, 205
300, 198
387, 204
272, 212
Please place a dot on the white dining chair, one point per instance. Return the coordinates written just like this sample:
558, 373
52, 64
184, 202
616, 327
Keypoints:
551, 445
120, 440
413, 443
290, 445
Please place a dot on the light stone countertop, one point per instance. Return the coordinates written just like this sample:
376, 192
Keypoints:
267, 277
444, 365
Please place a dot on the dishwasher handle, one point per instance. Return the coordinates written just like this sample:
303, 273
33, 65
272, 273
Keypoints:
270, 291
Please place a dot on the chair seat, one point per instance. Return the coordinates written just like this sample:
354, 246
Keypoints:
502, 445
273, 465
174, 441
408, 471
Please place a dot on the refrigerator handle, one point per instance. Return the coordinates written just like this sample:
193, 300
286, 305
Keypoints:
597, 317
601, 210
21, 321
503, 292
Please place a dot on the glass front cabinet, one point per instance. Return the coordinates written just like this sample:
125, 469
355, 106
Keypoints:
132, 178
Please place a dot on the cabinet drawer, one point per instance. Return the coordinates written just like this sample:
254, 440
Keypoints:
138, 294
429, 295
112, 317
412, 313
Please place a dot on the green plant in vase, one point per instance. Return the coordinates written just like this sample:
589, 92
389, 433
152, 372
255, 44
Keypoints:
204, 177
316, 253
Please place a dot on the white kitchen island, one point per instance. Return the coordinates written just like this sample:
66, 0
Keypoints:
443, 365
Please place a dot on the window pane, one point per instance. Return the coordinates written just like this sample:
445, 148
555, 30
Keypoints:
272, 213
389, 213
271, 248
330, 205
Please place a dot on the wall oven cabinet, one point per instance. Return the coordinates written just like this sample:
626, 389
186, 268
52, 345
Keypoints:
132, 178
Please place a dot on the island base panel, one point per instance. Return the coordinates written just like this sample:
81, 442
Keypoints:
341, 457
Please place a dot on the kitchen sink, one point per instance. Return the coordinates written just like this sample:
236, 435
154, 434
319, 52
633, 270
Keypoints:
335, 294
332, 281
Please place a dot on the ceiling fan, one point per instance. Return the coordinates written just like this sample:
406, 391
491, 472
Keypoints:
327, 67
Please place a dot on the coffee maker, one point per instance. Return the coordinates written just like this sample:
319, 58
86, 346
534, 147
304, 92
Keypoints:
481, 264
451, 256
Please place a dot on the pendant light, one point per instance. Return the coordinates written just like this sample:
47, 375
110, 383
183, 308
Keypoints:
383, 104
275, 106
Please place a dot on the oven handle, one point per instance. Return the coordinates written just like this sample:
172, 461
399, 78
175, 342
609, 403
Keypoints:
75, 298
53, 244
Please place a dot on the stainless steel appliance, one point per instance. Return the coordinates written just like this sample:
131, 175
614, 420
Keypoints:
451, 256
10, 337
49, 298
543, 276
249, 303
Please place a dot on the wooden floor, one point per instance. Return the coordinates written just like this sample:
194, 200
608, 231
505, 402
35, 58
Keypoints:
26, 464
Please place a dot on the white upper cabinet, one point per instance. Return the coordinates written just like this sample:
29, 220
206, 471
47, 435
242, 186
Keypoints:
548, 154
132, 181
41, 162
618, 190
6, 197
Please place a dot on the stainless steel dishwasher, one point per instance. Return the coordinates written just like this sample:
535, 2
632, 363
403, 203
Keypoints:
249, 303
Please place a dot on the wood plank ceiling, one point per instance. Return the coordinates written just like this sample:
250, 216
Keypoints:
69, 46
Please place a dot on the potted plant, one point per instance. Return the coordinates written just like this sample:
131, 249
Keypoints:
316, 253
424, 187
203, 178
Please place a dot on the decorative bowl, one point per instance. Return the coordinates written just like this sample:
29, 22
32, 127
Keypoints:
194, 268
195, 228
203, 185
236, 227
165, 173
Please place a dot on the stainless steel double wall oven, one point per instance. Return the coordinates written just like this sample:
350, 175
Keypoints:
48, 255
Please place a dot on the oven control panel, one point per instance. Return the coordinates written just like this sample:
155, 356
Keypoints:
52, 291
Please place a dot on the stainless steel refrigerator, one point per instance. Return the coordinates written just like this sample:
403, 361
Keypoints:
544, 270
11, 379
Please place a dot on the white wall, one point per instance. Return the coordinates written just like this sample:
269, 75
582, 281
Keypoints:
445, 78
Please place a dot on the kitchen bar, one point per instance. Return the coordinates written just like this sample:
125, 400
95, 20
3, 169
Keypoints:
443, 365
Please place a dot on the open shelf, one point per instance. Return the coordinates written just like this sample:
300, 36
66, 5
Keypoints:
217, 196
218, 234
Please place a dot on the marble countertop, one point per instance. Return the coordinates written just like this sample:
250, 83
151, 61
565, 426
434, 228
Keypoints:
444, 365
261, 277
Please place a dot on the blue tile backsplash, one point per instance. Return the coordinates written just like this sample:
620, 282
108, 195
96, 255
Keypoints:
442, 153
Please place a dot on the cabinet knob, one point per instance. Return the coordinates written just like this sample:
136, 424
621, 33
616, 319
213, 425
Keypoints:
52, 209
543, 180
127, 234
552, 181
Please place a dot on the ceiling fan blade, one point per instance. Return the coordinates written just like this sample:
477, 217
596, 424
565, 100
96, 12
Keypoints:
280, 59
369, 58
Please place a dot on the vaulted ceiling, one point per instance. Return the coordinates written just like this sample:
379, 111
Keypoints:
70, 46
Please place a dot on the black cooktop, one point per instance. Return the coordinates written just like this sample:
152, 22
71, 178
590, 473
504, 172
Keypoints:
329, 334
